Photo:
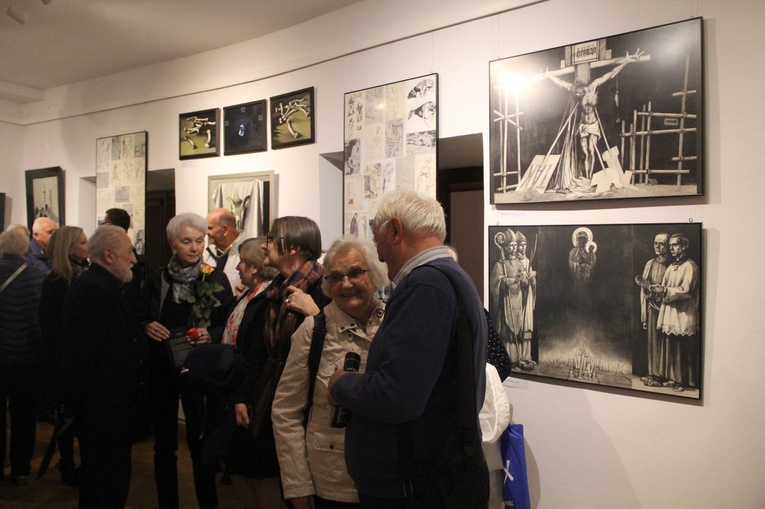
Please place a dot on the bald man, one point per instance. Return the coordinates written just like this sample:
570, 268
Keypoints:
223, 241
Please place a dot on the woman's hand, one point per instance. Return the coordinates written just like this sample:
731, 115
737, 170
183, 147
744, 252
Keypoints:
300, 302
242, 415
156, 331
199, 336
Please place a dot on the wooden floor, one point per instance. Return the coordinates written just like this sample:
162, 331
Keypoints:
50, 492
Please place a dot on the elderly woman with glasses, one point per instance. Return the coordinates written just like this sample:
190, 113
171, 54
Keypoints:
311, 452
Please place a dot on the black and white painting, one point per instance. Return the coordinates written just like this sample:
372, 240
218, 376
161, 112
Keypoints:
390, 143
615, 117
45, 195
609, 305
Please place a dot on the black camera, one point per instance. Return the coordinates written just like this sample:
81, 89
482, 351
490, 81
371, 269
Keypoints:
342, 416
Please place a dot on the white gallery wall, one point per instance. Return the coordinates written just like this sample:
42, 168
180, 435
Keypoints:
585, 448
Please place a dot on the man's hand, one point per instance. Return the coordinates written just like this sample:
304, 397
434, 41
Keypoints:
335, 376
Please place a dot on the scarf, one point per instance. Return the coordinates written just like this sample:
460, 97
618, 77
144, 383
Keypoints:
182, 279
78, 267
280, 321
231, 330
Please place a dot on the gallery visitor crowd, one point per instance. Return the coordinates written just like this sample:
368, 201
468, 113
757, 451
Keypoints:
253, 337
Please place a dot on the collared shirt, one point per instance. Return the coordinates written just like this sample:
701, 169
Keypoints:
422, 258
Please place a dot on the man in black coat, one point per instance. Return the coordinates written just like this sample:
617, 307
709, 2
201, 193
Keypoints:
104, 367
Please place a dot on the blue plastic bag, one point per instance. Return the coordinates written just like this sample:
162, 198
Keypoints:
516, 481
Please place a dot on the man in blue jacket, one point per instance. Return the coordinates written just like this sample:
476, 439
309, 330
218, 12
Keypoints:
411, 374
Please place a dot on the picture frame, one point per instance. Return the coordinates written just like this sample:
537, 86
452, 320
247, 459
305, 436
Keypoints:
390, 142
601, 305
611, 118
249, 196
293, 119
2, 211
244, 128
122, 165
45, 195
199, 134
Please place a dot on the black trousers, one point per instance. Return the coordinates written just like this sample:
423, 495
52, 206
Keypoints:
19, 394
164, 390
105, 438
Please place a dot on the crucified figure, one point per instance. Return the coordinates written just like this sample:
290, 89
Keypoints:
587, 97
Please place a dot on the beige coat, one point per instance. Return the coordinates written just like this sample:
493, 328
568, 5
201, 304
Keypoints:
312, 462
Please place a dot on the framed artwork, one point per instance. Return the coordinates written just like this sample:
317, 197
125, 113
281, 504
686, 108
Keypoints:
121, 172
244, 127
293, 119
199, 134
616, 117
249, 196
45, 194
601, 305
391, 134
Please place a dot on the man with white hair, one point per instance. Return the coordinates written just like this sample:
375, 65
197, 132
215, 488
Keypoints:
103, 368
411, 382
42, 229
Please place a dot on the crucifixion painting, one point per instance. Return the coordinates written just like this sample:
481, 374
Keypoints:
616, 117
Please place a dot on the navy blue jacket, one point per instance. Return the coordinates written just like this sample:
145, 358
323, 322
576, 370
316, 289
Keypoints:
20, 336
411, 375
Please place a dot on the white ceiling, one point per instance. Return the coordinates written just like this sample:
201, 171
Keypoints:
68, 41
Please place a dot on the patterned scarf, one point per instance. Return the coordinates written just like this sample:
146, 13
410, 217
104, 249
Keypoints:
281, 322
78, 267
182, 279
231, 330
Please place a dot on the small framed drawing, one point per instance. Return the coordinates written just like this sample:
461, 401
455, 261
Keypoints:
292, 119
45, 194
617, 305
199, 134
249, 196
616, 117
244, 128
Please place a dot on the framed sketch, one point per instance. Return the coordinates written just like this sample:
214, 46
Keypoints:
293, 119
199, 134
244, 127
45, 194
249, 196
121, 173
615, 117
601, 305
391, 134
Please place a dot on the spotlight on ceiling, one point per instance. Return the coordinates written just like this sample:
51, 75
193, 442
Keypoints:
17, 14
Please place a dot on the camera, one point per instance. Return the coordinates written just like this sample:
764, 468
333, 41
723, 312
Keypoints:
342, 416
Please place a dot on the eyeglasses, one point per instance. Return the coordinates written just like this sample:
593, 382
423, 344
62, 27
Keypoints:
354, 276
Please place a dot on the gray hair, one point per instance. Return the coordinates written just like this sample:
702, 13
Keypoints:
14, 242
185, 219
417, 212
105, 237
37, 226
377, 269
21, 227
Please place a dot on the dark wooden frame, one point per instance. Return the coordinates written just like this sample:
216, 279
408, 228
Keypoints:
591, 315
194, 145
293, 125
56, 209
245, 128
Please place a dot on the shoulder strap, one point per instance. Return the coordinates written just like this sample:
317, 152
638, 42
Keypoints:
314, 357
13, 276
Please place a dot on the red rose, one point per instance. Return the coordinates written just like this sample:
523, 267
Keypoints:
193, 333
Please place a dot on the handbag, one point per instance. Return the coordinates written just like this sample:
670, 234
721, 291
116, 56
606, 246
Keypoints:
516, 480
459, 476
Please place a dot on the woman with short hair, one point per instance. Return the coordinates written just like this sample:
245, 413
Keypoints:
167, 309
